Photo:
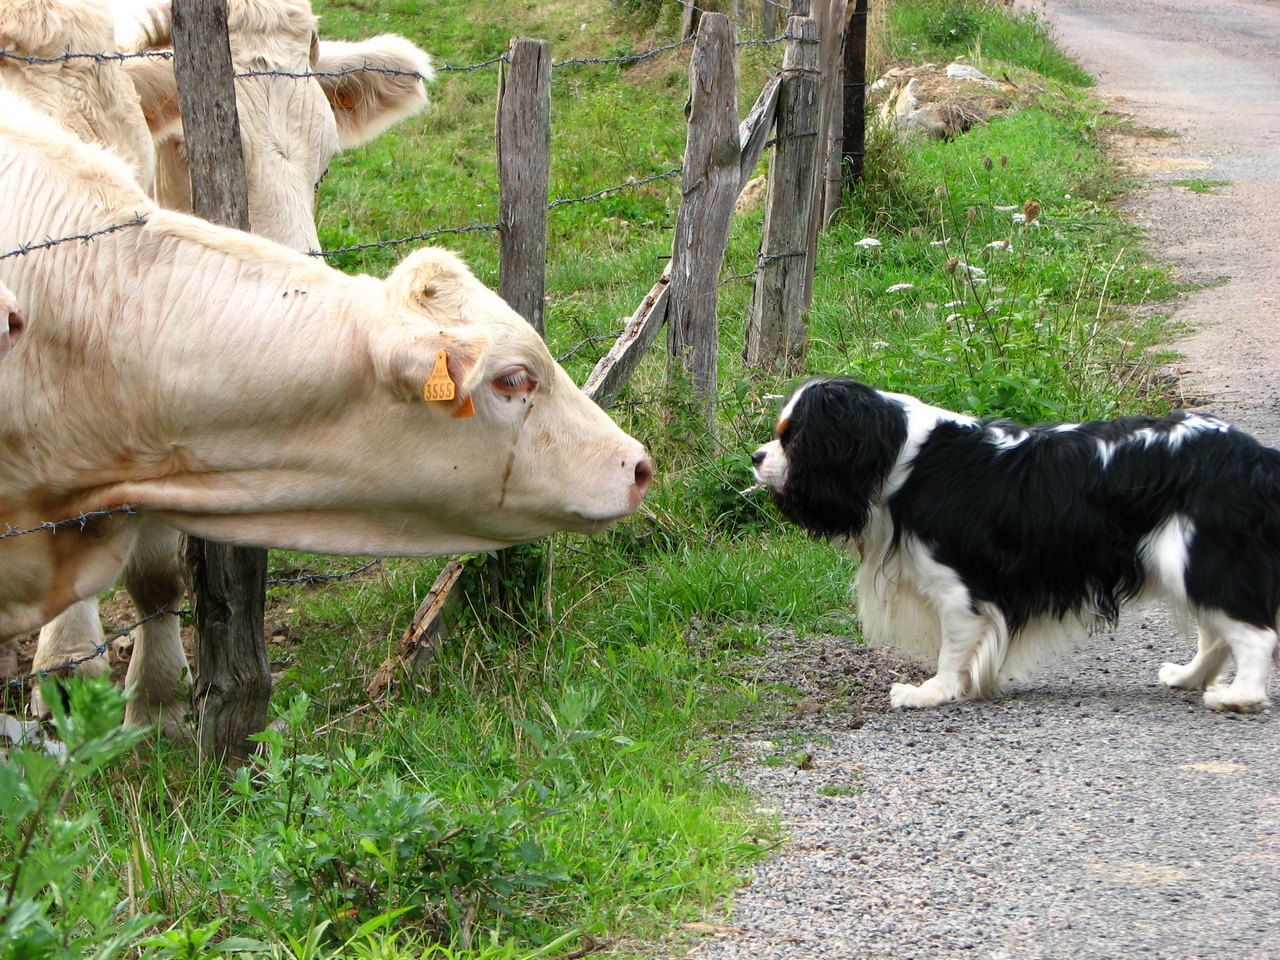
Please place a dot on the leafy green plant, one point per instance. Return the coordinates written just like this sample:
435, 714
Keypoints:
57, 898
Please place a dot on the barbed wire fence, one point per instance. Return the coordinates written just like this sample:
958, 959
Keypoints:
800, 66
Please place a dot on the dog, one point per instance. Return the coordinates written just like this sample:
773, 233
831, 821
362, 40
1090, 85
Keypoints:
990, 544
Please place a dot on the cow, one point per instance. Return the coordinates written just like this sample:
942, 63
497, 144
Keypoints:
88, 95
177, 375
299, 98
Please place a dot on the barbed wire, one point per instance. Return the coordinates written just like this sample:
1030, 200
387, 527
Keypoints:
483, 227
620, 60
601, 338
98, 57
80, 519
98, 650
311, 578
45, 244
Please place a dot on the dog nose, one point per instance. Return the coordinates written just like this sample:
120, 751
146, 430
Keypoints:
757, 458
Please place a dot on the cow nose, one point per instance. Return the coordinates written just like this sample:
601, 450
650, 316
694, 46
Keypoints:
644, 475
757, 458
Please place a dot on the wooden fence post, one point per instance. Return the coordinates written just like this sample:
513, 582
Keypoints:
709, 188
833, 107
524, 172
854, 144
776, 331
227, 584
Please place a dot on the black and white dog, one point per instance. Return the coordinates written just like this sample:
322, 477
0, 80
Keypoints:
989, 543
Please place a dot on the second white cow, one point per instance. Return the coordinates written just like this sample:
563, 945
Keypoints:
299, 98
226, 386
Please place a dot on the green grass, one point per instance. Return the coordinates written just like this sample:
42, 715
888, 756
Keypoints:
554, 779
1201, 185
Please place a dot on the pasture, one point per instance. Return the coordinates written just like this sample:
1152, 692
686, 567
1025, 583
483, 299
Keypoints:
556, 780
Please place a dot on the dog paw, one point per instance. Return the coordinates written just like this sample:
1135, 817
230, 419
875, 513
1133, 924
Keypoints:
1223, 700
907, 696
1179, 677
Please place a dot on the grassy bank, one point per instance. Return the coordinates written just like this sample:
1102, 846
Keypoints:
556, 781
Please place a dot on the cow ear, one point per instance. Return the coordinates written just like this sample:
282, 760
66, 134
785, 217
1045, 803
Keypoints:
11, 330
157, 87
373, 84
434, 282
410, 365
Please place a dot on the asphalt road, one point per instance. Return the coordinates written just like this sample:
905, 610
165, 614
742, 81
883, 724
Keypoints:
1091, 814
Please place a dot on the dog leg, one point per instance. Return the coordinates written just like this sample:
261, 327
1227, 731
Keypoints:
1253, 648
964, 634
1211, 657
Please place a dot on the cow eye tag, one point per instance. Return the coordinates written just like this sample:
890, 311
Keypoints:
440, 385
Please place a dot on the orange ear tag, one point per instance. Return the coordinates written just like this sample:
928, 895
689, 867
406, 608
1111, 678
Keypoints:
440, 385
465, 409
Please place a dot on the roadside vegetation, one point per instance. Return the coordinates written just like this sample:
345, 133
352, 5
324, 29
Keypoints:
556, 782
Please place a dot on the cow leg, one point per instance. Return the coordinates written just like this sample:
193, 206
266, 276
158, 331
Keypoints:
1252, 647
158, 672
74, 636
1211, 656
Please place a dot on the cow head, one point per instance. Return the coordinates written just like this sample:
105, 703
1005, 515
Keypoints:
518, 450
299, 101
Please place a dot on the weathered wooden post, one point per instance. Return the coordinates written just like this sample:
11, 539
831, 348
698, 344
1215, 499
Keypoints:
776, 331
833, 109
709, 188
688, 19
523, 140
524, 172
227, 584
854, 143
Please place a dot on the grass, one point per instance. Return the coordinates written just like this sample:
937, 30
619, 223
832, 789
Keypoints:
1201, 185
555, 780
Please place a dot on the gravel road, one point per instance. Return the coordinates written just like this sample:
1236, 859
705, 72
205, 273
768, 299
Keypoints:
1091, 813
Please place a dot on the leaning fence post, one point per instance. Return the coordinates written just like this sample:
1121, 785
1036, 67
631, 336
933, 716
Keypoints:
709, 189
228, 584
776, 330
524, 171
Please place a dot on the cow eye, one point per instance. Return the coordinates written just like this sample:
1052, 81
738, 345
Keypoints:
516, 380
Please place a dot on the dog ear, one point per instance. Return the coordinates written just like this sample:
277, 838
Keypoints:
842, 441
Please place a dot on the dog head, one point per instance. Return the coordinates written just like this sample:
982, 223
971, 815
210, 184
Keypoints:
837, 442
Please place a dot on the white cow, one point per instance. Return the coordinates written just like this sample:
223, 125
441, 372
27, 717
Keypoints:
299, 100
90, 97
291, 126
226, 386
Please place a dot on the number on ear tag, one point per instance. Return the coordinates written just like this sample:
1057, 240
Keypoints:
440, 385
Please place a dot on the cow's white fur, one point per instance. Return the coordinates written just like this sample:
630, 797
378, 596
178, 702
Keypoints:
91, 98
232, 388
